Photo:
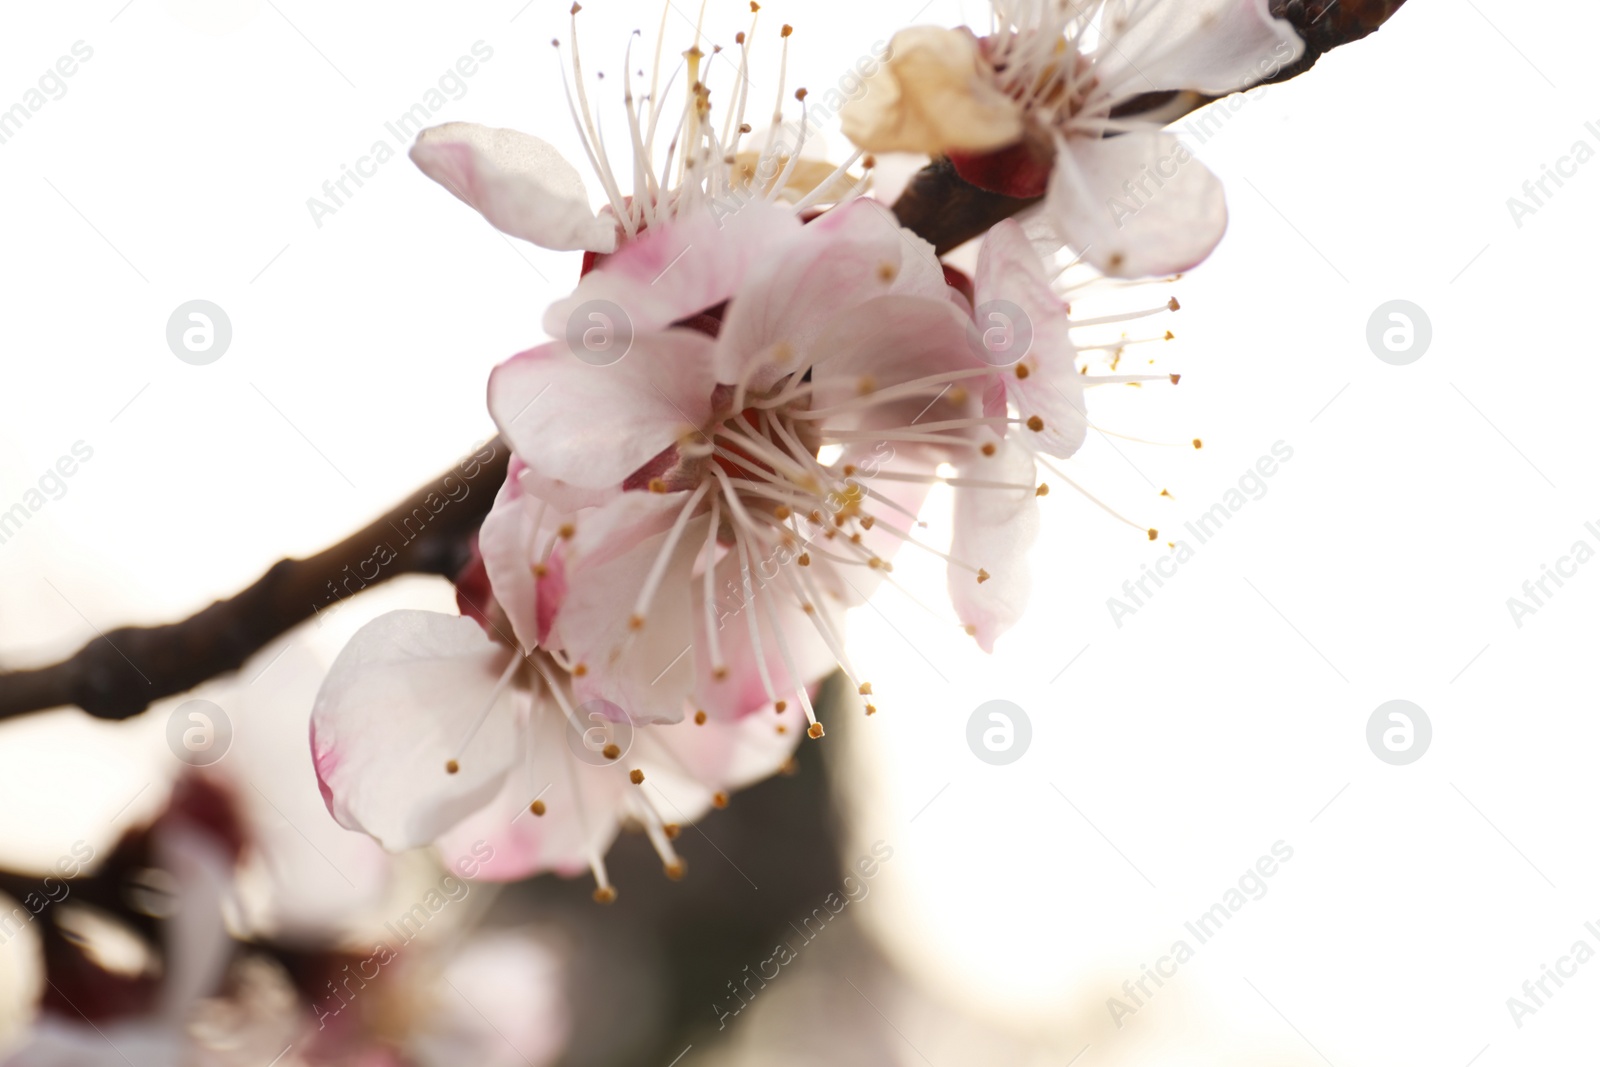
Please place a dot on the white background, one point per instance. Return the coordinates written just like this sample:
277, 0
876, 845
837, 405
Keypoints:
1226, 715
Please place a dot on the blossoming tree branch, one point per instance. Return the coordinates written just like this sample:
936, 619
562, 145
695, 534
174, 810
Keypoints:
760, 374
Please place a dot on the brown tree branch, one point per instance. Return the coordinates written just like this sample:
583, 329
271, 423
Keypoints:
121, 673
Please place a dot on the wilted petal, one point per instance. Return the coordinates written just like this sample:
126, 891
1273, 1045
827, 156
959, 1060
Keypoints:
934, 94
398, 704
516, 181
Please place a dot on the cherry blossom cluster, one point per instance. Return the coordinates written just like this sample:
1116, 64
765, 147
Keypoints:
746, 401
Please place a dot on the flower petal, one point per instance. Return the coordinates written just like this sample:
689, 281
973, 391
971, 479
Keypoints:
598, 424
677, 269
1211, 46
848, 255
516, 181
934, 94
1043, 380
993, 529
1173, 217
397, 705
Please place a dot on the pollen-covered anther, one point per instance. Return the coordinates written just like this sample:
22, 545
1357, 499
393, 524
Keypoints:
1170, 336
1166, 494
719, 800
540, 570
787, 29
872, 709
1153, 534
580, 669
780, 706
1022, 370
675, 870
816, 731
809, 608
1043, 490
781, 512
804, 559
972, 631
719, 673
1173, 305
887, 272
874, 563
1036, 424
672, 830
988, 448
1174, 378
657, 485
636, 622
565, 531
1197, 443
636, 776
983, 576
606, 894
537, 807
801, 93
865, 689
699, 718
867, 521
452, 767
611, 751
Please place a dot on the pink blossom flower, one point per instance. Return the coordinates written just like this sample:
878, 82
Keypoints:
1064, 101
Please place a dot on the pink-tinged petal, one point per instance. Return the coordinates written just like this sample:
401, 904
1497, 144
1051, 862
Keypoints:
687, 764
1210, 46
993, 530
892, 341
678, 269
1041, 378
519, 183
506, 841
499, 1002
1168, 216
738, 688
848, 255
590, 426
640, 663
508, 544
398, 704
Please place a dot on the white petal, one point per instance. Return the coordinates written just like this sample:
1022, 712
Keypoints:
993, 529
934, 94
397, 705
1211, 46
516, 181
1168, 216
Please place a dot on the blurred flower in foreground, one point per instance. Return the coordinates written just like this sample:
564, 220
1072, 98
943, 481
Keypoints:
1063, 100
